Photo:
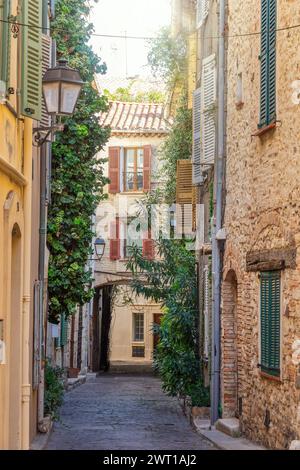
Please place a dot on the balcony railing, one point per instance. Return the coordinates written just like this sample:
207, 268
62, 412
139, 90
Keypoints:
133, 180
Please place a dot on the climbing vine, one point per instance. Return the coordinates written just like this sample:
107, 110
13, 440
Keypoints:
167, 56
77, 174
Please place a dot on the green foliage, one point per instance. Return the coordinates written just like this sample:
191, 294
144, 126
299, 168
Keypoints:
167, 56
77, 175
126, 94
178, 145
54, 390
171, 280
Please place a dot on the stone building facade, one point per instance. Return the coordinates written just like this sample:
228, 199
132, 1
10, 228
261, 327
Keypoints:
260, 376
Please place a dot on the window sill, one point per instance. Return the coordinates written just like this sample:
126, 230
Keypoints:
263, 130
133, 191
272, 378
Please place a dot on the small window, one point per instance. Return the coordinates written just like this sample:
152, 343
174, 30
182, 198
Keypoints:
134, 170
270, 295
133, 236
138, 351
138, 327
239, 90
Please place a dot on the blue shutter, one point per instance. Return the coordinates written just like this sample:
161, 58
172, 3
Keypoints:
268, 62
270, 291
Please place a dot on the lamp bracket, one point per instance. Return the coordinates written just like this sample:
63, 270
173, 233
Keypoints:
40, 139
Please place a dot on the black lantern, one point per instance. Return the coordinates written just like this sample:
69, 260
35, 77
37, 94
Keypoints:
61, 89
99, 247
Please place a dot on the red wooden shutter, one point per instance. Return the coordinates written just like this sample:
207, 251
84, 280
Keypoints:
147, 167
148, 247
115, 239
114, 170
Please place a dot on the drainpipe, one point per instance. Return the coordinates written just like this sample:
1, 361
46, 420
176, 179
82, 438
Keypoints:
42, 250
218, 191
45, 156
26, 387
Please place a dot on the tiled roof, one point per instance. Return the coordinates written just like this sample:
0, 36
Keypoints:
136, 118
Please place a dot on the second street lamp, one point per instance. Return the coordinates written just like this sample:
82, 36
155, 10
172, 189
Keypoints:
99, 247
61, 89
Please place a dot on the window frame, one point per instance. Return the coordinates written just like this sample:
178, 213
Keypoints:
135, 171
136, 341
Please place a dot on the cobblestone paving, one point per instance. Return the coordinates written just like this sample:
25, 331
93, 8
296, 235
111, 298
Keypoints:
122, 412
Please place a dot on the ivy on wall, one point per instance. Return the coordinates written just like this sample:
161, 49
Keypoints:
77, 175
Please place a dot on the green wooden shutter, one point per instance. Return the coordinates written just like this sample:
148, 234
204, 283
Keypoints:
272, 60
5, 43
32, 59
268, 62
270, 322
63, 331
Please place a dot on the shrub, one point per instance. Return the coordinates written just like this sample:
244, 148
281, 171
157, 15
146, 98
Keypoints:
54, 390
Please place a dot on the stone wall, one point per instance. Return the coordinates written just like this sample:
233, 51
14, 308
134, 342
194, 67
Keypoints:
262, 213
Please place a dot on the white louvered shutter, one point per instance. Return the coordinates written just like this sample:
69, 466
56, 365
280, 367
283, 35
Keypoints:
202, 11
197, 174
208, 110
206, 311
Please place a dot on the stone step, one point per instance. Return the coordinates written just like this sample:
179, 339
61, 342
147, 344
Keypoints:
229, 426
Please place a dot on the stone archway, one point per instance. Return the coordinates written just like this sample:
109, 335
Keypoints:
229, 356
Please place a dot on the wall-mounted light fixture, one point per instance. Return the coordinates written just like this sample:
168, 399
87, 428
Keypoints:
61, 89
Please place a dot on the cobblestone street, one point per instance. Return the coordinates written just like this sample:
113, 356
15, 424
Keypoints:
123, 412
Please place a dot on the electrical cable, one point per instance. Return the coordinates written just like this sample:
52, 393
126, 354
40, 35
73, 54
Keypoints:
147, 38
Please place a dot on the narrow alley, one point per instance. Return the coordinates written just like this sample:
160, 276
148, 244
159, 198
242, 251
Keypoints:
121, 412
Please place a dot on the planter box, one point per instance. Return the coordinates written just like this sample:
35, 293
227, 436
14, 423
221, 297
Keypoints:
201, 412
73, 373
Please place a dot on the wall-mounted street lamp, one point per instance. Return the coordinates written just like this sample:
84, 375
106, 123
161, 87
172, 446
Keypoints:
61, 89
99, 247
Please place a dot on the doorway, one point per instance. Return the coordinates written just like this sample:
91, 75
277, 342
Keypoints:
102, 315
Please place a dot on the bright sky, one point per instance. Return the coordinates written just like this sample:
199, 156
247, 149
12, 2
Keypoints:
137, 18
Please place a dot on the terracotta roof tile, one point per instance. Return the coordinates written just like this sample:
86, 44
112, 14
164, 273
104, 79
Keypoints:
136, 118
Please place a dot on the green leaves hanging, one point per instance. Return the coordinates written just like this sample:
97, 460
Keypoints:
77, 174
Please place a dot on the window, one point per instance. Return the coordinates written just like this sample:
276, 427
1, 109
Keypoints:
268, 63
130, 169
138, 351
239, 90
134, 170
270, 292
138, 327
133, 236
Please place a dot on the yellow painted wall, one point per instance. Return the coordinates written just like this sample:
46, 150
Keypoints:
15, 231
